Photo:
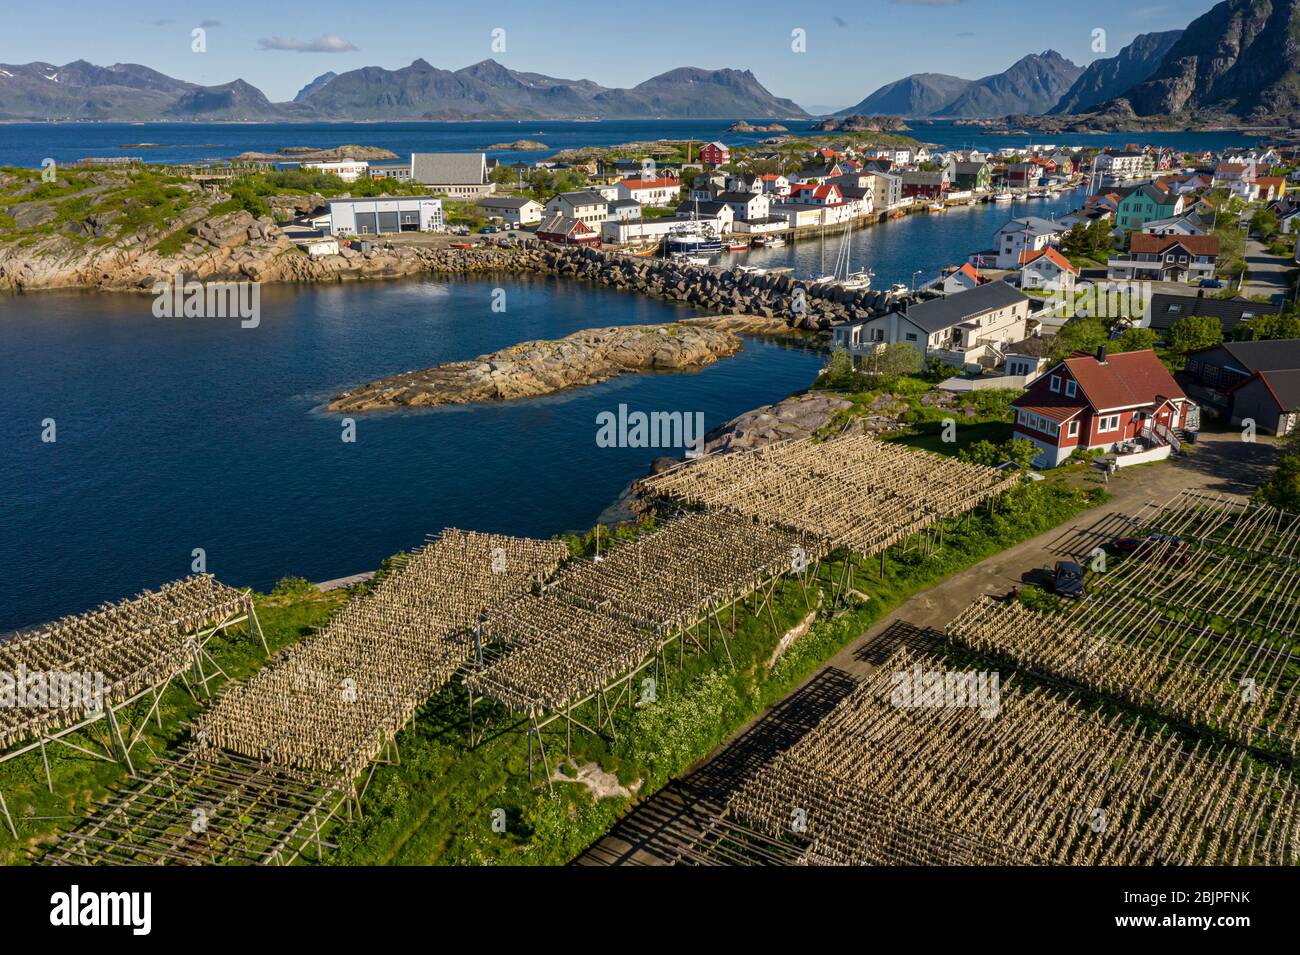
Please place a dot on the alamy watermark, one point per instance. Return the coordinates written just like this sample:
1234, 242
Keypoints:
177, 298
939, 689
51, 690
656, 429
1118, 299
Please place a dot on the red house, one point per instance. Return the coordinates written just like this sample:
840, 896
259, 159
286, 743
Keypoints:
1100, 401
714, 154
566, 231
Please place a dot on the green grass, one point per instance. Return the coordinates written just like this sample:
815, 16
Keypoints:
79, 779
438, 805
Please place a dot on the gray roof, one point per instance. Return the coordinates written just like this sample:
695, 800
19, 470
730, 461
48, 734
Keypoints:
971, 166
919, 177
1285, 385
940, 313
737, 196
624, 204
505, 202
449, 169
1167, 309
1278, 355
1034, 223
558, 225
583, 197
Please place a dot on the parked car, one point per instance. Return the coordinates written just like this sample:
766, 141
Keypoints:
1174, 551
1068, 581
1211, 283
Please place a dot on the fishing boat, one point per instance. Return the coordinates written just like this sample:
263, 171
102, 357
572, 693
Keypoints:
689, 259
773, 242
1003, 196
691, 243
1038, 194
737, 246
937, 207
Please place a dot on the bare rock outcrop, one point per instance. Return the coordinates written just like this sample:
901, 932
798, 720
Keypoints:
535, 368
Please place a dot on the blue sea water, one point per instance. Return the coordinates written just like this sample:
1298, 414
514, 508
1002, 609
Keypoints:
197, 433
181, 434
27, 144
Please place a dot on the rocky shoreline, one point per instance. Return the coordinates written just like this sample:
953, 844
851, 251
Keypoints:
239, 247
535, 368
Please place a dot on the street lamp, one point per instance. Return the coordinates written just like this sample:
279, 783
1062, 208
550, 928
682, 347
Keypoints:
914, 275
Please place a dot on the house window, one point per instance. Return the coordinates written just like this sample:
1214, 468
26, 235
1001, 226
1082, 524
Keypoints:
1071, 388
1108, 423
1074, 429
1055, 384
911, 337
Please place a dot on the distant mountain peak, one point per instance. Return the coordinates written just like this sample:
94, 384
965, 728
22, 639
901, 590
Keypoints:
1107, 78
1239, 59
314, 85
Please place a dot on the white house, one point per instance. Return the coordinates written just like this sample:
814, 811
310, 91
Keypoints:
348, 170
962, 278
973, 327
1129, 164
513, 210
650, 192
1188, 223
588, 207
747, 205
1047, 269
1026, 234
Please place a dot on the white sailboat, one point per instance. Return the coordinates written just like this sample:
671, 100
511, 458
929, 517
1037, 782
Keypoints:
857, 280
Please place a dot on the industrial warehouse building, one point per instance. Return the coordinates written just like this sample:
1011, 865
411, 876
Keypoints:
385, 215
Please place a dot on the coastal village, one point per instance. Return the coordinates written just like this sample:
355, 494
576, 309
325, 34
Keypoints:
782, 491
1151, 259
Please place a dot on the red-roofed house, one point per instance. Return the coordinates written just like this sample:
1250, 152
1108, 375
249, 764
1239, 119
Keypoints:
1046, 269
650, 192
813, 195
1100, 401
962, 279
1271, 187
1166, 258
566, 231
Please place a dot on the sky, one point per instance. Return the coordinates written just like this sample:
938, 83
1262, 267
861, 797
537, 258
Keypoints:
850, 48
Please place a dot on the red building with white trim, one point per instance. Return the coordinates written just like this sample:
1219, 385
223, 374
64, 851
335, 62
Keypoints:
1100, 401
714, 154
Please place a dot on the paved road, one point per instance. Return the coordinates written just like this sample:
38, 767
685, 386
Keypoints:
1266, 274
663, 824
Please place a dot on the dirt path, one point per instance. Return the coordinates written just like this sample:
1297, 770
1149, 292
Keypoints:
1219, 463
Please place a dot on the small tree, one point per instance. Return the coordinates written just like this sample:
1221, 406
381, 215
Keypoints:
1079, 334
898, 358
1283, 488
1194, 333
1264, 222
1135, 339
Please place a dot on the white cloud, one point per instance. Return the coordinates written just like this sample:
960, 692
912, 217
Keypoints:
329, 43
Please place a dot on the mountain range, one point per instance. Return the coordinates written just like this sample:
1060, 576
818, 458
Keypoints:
486, 90
1240, 59
1033, 84
1110, 77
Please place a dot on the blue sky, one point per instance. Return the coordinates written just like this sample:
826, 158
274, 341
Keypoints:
852, 47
